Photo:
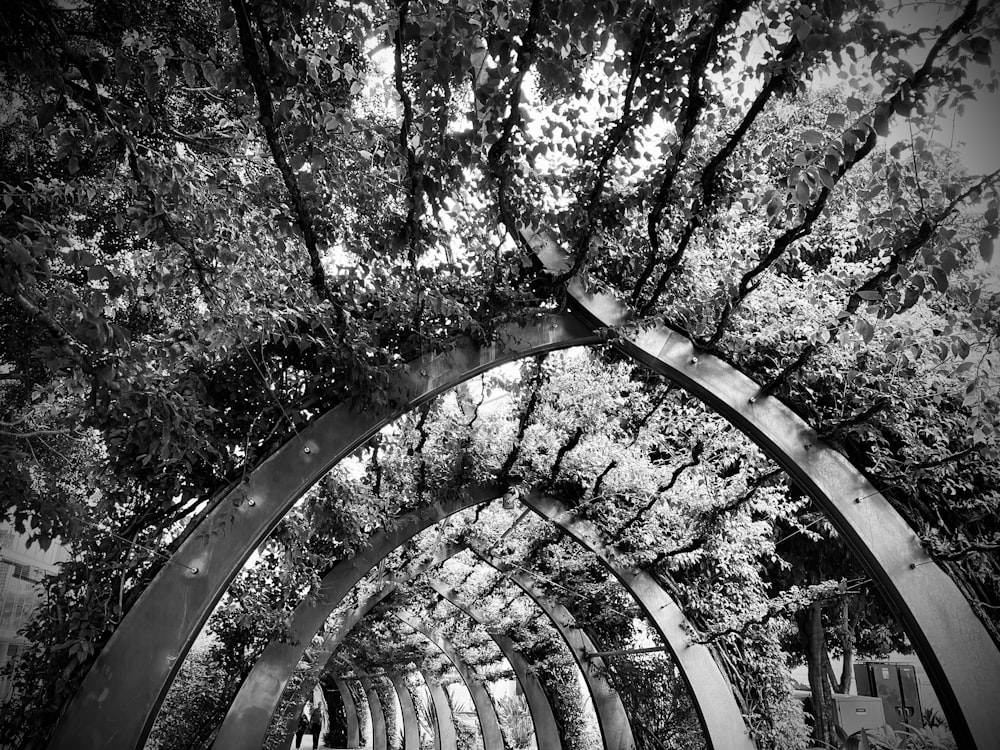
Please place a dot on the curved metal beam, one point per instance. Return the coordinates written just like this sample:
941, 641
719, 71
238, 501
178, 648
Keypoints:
350, 713
960, 656
411, 730
117, 703
616, 730
711, 692
337, 635
489, 724
615, 727
546, 729
445, 737
250, 712
380, 737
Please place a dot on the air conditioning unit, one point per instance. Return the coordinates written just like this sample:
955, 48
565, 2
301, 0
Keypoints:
857, 712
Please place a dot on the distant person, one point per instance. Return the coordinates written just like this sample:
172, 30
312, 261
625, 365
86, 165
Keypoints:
316, 725
301, 729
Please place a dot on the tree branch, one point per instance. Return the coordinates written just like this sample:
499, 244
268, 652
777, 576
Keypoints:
902, 255
615, 136
694, 105
267, 120
696, 450
709, 177
497, 157
904, 91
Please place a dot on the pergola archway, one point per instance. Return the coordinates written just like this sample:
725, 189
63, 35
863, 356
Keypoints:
249, 715
546, 728
250, 712
962, 661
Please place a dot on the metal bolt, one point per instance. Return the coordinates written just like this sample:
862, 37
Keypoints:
307, 449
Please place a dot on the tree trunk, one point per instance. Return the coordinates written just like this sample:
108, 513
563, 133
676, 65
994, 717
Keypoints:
811, 631
847, 644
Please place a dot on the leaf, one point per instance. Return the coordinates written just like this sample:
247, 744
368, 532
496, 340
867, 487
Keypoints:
866, 329
301, 133
835, 120
881, 121
986, 248
948, 261
123, 70
940, 279
813, 137
802, 194
45, 114
854, 104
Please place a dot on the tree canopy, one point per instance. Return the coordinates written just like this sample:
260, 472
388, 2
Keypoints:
222, 218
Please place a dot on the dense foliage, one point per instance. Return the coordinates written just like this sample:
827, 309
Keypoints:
221, 218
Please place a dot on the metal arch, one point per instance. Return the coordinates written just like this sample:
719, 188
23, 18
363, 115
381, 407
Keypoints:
546, 729
616, 730
364, 711
350, 713
711, 693
445, 737
249, 715
380, 737
613, 720
337, 635
411, 731
489, 724
961, 658
117, 703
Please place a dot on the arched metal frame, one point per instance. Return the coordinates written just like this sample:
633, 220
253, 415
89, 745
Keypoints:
411, 730
337, 635
960, 656
364, 711
712, 695
546, 729
118, 701
445, 735
616, 729
612, 718
380, 736
489, 724
249, 715
350, 713
245, 726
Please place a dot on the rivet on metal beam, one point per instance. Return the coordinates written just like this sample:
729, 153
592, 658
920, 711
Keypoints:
307, 449
694, 360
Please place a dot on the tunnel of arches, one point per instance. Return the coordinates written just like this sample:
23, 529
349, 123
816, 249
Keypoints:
780, 446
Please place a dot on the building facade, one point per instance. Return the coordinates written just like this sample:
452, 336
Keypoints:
22, 569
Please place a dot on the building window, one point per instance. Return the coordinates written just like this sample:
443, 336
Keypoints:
22, 571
